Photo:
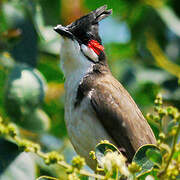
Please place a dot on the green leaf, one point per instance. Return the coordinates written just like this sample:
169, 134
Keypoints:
22, 168
171, 125
83, 178
147, 157
49, 67
8, 152
13, 13
38, 121
3, 23
24, 91
153, 173
176, 155
51, 11
154, 155
120, 8
121, 51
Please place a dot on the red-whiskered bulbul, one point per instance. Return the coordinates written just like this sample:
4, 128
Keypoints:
97, 107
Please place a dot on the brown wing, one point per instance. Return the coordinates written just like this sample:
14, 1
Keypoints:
120, 116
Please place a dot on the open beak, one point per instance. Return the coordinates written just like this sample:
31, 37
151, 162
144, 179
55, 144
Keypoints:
63, 31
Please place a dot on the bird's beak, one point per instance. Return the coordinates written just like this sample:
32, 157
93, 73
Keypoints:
63, 31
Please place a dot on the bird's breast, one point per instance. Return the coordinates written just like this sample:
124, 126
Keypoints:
84, 129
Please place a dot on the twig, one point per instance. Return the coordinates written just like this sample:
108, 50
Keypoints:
172, 152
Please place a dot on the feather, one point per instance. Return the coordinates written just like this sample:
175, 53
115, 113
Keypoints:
117, 112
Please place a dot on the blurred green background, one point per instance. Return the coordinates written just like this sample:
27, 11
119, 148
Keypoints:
142, 42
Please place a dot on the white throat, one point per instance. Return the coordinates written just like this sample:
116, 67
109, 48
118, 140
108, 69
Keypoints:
73, 62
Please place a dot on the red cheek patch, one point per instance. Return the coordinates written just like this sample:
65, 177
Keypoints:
95, 46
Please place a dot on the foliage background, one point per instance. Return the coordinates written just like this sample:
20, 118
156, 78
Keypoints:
142, 43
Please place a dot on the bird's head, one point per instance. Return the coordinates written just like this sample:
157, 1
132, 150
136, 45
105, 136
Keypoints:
81, 43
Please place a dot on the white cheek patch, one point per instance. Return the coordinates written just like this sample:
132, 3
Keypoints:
89, 53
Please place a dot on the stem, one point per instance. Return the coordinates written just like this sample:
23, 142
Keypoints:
117, 173
86, 173
67, 166
61, 163
160, 124
64, 164
47, 177
172, 151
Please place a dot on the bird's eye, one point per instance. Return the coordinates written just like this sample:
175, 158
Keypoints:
89, 53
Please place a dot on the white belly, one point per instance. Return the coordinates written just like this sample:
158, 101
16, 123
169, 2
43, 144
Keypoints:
84, 129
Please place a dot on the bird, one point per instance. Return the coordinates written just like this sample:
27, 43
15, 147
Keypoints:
97, 106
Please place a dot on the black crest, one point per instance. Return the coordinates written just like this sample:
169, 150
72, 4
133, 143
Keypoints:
85, 28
